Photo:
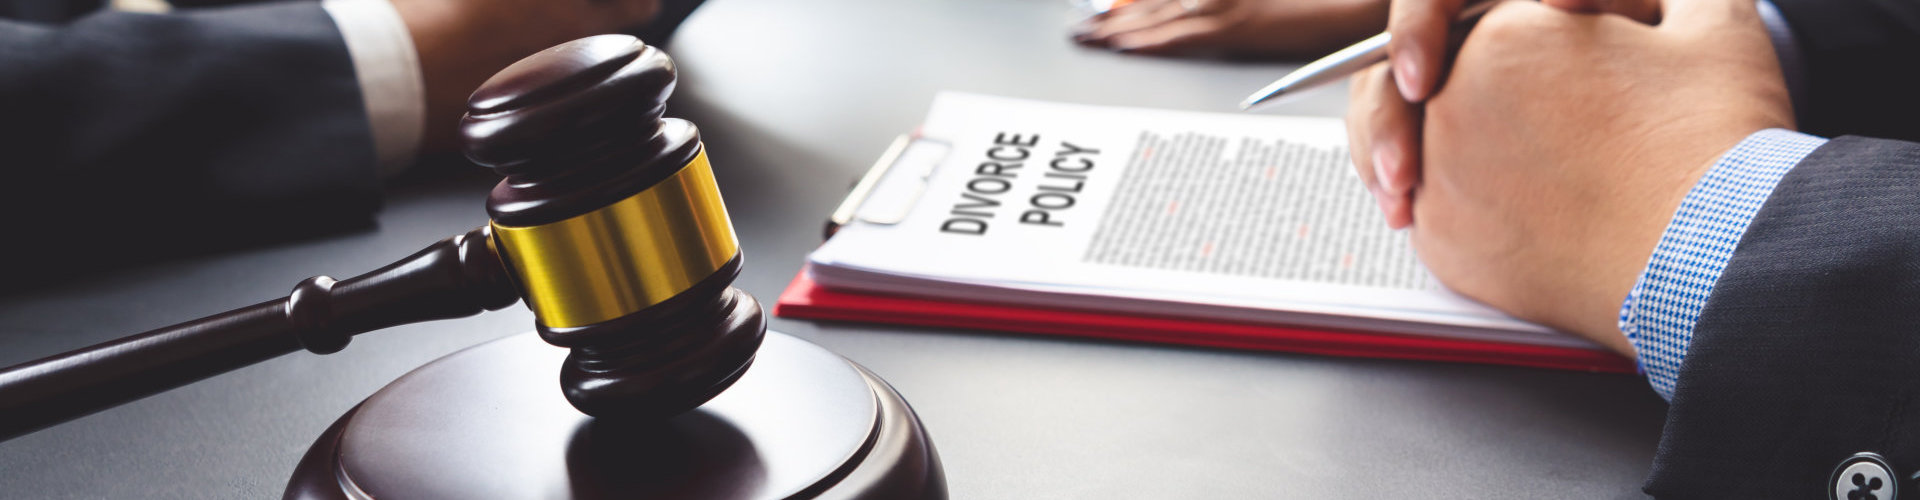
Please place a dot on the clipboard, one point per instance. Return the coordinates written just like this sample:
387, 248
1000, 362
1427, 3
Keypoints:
803, 299
897, 195
906, 165
902, 172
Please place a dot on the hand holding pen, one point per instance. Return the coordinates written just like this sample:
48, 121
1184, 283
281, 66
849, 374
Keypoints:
1384, 115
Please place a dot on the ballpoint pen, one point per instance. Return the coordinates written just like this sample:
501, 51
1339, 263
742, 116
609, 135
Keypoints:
1345, 62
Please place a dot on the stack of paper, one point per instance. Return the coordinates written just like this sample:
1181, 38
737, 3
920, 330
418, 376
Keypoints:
1143, 216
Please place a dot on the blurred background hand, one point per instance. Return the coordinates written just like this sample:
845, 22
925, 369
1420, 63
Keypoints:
463, 42
1286, 28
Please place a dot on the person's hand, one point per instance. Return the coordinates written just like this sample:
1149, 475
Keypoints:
1563, 143
1421, 29
1386, 153
1383, 140
1247, 27
461, 43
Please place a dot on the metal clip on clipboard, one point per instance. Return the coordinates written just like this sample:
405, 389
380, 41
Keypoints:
893, 185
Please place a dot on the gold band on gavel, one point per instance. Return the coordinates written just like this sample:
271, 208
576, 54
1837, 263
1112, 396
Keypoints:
626, 256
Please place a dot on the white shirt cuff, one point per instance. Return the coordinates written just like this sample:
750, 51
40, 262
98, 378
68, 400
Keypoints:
388, 68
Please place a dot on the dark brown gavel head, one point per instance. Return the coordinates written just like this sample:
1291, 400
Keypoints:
613, 228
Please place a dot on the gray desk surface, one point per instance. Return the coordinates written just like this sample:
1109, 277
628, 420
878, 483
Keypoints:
795, 99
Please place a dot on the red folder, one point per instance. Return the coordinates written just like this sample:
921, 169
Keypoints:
805, 300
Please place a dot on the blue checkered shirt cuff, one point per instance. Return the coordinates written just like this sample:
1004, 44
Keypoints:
1659, 313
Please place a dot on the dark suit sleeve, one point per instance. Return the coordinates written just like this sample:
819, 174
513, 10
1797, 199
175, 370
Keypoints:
200, 123
1861, 67
1808, 351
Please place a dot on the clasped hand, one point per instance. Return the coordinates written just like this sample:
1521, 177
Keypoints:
1539, 176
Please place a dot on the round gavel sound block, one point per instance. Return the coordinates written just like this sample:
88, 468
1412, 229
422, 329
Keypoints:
487, 423
669, 385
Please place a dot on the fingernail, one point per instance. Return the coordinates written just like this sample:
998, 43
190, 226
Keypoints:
1380, 198
1083, 30
1405, 68
1383, 156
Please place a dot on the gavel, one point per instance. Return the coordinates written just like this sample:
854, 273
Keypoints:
608, 224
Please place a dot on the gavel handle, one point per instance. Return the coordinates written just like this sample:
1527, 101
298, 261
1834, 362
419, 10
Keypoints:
455, 277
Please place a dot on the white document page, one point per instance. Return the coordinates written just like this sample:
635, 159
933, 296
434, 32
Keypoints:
1219, 216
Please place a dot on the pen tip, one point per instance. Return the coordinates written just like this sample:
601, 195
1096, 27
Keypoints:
1253, 100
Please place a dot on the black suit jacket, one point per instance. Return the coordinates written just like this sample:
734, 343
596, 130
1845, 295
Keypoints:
1862, 66
225, 122
167, 130
1808, 350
